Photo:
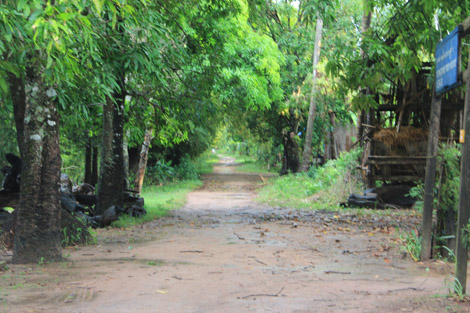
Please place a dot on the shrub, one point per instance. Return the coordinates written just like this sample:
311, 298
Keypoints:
321, 187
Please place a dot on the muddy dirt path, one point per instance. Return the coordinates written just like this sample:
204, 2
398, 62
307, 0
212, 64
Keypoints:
223, 252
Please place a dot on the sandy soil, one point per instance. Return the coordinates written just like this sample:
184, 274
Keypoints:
223, 252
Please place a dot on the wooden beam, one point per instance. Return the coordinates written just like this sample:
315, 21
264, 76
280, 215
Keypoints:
407, 178
398, 157
430, 177
383, 160
397, 162
464, 205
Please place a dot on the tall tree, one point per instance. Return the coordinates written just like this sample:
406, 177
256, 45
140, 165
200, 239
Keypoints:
312, 108
39, 58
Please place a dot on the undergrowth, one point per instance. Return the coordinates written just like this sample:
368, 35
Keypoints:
411, 243
204, 164
163, 172
320, 188
258, 167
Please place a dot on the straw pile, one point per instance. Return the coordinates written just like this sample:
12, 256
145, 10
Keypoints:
407, 134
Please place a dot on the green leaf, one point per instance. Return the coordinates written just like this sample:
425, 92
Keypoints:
20, 5
3, 83
65, 16
10, 67
35, 15
98, 5
49, 61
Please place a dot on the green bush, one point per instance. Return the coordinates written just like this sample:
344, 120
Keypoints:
186, 169
161, 172
448, 189
164, 172
320, 188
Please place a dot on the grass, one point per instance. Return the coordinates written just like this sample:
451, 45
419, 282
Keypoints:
255, 167
204, 164
159, 200
321, 188
249, 164
292, 191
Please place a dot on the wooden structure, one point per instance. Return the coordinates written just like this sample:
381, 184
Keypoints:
396, 133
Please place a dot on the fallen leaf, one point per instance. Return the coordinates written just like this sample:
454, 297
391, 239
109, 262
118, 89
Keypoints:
162, 291
387, 260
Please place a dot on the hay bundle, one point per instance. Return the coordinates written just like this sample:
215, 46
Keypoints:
407, 134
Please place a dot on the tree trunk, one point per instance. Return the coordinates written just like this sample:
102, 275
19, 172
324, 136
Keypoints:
94, 171
366, 20
88, 162
139, 177
38, 233
331, 134
111, 181
125, 156
313, 105
290, 161
18, 98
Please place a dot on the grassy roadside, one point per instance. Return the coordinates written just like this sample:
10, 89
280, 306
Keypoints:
320, 188
205, 163
251, 165
159, 200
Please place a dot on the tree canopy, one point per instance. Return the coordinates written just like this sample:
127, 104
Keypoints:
119, 69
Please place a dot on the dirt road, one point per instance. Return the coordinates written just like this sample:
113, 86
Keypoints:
223, 252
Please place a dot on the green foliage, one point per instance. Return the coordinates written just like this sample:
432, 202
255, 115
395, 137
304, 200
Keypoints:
159, 200
241, 143
448, 164
322, 188
448, 189
8, 131
455, 288
258, 167
412, 244
78, 236
186, 170
450, 253
417, 192
160, 172
163, 172
73, 161
205, 162
401, 39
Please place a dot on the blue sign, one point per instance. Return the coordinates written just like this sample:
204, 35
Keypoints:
447, 62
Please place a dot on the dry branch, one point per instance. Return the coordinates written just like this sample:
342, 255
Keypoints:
264, 294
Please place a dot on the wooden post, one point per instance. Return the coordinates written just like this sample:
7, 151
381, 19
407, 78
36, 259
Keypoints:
464, 205
429, 181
